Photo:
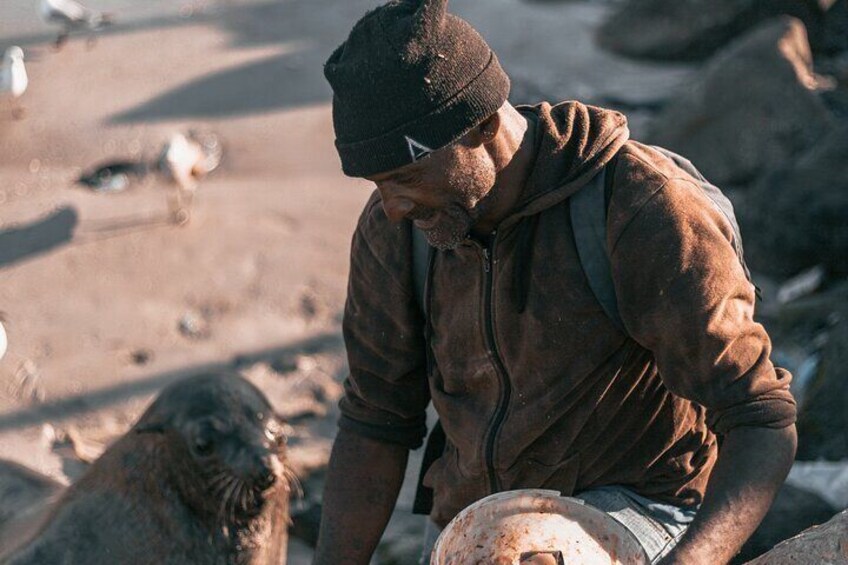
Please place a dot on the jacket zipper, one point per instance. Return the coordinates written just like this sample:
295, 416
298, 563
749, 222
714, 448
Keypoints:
494, 355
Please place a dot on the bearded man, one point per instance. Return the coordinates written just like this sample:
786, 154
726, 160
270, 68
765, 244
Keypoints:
534, 384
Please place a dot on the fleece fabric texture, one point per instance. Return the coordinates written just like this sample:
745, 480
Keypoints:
410, 79
534, 385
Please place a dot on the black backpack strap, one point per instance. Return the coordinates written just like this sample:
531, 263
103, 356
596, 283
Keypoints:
588, 209
434, 448
421, 258
420, 265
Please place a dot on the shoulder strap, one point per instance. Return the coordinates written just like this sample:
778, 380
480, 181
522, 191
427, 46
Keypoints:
420, 265
588, 209
436, 439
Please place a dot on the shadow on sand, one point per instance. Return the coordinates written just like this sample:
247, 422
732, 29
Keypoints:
291, 79
271, 84
54, 230
74, 405
286, 80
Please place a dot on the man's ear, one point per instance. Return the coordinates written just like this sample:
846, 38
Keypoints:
490, 127
485, 132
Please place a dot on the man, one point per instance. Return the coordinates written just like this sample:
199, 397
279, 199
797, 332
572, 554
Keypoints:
535, 387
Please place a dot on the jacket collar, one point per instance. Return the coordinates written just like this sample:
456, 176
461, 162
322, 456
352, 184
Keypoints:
573, 143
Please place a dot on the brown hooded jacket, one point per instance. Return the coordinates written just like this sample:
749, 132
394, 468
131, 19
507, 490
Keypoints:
534, 385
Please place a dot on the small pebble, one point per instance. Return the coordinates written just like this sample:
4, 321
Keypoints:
193, 326
141, 356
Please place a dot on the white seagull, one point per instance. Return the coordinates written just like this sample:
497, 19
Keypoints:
185, 159
13, 77
3, 340
72, 16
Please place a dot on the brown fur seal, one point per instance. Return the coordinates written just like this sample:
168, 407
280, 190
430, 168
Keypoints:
199, 479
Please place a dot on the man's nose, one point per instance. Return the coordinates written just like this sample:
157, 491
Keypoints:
397, 207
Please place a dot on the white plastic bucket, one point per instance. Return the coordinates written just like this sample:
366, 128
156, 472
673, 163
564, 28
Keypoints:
535, 526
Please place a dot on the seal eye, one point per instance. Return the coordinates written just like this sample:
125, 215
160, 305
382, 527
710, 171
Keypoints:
203, 446
274, 433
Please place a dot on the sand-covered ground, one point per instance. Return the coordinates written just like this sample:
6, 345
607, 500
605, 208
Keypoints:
94, 313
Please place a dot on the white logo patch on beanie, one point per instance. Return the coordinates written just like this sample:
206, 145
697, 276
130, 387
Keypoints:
417, 150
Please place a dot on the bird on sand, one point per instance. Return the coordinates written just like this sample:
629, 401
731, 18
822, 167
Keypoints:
184, 160
13, 78
71, 16
3, 339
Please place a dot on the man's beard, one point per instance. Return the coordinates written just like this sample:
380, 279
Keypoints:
471, 180
451, 229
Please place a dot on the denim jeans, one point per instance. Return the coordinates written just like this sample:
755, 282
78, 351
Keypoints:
656, 525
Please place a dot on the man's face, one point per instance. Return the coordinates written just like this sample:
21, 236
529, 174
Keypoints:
441, 193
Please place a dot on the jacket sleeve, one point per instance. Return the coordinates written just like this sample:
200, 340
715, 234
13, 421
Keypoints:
386, 392
684, 296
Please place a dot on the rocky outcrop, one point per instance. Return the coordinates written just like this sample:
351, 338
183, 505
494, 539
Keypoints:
795, 217
754, 106
693, 30
823, 418
821, 545
793, 511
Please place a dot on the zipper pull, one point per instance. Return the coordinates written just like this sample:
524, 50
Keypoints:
487, 260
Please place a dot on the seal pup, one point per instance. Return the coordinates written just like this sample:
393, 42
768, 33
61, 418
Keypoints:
199, 479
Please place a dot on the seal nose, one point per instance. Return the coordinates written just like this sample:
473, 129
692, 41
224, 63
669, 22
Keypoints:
264, 476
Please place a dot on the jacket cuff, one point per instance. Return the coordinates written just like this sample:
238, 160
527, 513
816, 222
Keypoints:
768, 412
409, 435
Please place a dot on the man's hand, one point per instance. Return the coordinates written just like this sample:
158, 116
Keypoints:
752, 465
363, 481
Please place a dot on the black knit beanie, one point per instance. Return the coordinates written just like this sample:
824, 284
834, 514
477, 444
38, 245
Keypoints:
410, 79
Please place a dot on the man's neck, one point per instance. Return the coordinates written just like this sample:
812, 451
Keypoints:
509, 185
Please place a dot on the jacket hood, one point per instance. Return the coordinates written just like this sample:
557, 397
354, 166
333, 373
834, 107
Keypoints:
573, 143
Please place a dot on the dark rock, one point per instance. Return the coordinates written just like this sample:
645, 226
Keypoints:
793, 511
820, 545
837, 97
402, 540
305, 522
823, 418
22, 488
692, 30
797, 216
114, 176
25, 498
831, 36
754, 106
